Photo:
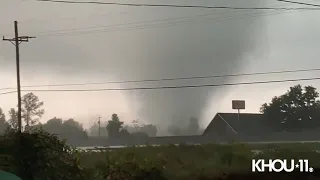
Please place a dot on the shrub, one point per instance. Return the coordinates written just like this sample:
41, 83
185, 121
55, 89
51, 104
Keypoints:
42, 156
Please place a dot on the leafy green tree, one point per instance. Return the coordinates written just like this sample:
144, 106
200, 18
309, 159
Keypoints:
114, 126
297, 108
73, 130
40, 155
54, 125
2, 115
3, 123
70, 130
13, 119
31, 109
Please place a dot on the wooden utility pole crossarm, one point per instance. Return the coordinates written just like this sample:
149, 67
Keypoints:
16, 42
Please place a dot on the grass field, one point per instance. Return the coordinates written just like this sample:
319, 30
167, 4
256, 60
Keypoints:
194, 162
55, 159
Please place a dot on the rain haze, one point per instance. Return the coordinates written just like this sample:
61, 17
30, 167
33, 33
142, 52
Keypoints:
83, 43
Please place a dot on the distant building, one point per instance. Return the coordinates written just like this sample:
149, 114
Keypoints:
250, 127
234, 126
224, 128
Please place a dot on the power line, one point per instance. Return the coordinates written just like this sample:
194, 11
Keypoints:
170, 79
109, 28
301, 3
130, 23
141, 27
96, 29
76, 29
172, 5
168, 87
35, 20
104, 14
114, 26
9, 92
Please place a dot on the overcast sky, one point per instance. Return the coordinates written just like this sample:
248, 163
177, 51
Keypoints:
100, 43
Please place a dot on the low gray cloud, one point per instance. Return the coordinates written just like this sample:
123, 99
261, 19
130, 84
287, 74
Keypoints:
185, 49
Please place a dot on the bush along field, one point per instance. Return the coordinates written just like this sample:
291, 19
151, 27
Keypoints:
42, 156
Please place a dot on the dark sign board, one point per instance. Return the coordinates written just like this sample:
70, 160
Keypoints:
238, 104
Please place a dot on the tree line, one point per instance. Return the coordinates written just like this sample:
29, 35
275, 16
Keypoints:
117, 127
31, 113
32, 110
69, 129
297, 109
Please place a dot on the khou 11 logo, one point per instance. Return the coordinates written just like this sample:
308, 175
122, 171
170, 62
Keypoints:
260, 165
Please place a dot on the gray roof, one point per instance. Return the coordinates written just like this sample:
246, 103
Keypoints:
247, 123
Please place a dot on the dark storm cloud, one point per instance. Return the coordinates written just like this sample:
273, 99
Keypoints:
182, 50
48, 57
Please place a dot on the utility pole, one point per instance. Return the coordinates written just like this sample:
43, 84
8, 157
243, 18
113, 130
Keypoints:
99, 124
16, 42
